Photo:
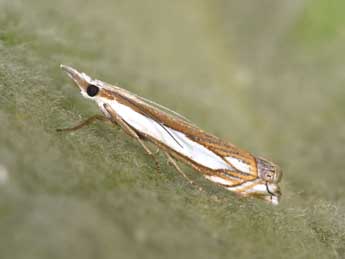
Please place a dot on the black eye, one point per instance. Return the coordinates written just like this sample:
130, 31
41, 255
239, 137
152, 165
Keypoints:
92, 90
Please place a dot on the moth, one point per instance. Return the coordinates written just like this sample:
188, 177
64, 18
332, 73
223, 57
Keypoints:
217, 160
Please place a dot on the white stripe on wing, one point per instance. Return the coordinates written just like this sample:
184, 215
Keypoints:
176, 140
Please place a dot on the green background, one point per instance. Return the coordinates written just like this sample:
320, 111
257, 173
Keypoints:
266, 75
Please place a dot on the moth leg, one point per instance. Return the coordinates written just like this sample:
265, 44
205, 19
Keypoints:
117, 119
173, 162
86, 123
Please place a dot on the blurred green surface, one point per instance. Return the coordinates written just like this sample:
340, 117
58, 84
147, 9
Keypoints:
265, 75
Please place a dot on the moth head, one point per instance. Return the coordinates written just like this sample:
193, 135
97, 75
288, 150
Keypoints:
269, 171
89, 88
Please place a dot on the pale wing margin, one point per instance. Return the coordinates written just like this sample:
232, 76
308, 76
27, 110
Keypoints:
148, 102
166, 109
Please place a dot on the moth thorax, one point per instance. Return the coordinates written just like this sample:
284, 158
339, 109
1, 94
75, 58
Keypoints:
268, 171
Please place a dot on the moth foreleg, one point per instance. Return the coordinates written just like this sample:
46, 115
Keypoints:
178, 169
117, 119
86, 123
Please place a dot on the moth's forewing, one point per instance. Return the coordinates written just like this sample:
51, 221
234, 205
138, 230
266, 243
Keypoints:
227, 151
244, 177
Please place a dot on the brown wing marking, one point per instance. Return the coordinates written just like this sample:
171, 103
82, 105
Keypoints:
211, 142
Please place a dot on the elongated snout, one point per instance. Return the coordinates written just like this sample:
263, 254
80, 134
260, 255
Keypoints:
80, 79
